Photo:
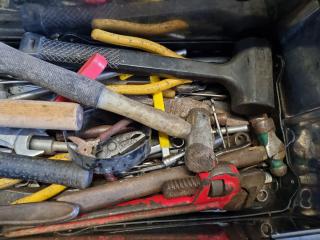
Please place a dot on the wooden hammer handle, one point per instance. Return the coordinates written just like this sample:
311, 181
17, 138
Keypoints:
41, 114
90, 93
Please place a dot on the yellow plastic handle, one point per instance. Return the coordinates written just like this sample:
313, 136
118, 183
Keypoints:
158, 103
8, 182
150, 88
133, 42
133, 28
42, 195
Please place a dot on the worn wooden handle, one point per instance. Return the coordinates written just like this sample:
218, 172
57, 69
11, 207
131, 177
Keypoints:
41, 114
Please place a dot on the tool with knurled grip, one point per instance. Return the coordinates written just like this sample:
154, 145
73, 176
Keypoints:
250, 82
93, 67
50, 18
87, 92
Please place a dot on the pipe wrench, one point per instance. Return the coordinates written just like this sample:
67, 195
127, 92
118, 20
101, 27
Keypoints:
216, 189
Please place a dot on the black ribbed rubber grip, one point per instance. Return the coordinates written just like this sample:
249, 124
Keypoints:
66, 53
44, 170
50, 19
59, 80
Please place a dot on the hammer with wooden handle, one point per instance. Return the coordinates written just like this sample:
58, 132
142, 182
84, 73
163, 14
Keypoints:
90, 93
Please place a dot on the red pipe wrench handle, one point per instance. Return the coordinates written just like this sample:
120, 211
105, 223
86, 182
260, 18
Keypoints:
202, 198
93, 67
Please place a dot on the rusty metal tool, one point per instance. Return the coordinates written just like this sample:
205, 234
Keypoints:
214, 190
239, 139
37, 213
87, 92
93, 132
182, 106
114, 129
250, 83
265, 130
90, 147
246, 157
115, 192
200, 143
86, 148
252, 181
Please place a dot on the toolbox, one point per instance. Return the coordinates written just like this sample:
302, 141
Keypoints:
200, 119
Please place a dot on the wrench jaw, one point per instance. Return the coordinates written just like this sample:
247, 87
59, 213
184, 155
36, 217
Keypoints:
22, 142
19, 140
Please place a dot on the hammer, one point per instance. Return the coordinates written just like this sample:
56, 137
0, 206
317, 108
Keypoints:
247, 76
87, 92
199, 155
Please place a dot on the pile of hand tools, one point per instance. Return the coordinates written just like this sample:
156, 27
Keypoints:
120, 128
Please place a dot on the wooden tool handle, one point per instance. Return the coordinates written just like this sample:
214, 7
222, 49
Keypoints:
90, 93
41, 114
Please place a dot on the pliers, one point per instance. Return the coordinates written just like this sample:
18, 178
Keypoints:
120, 144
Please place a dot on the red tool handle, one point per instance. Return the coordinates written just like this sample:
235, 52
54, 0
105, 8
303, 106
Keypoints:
93, 67
202, 198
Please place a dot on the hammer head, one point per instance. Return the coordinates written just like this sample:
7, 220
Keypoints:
199, 152
247, 76
251, 78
